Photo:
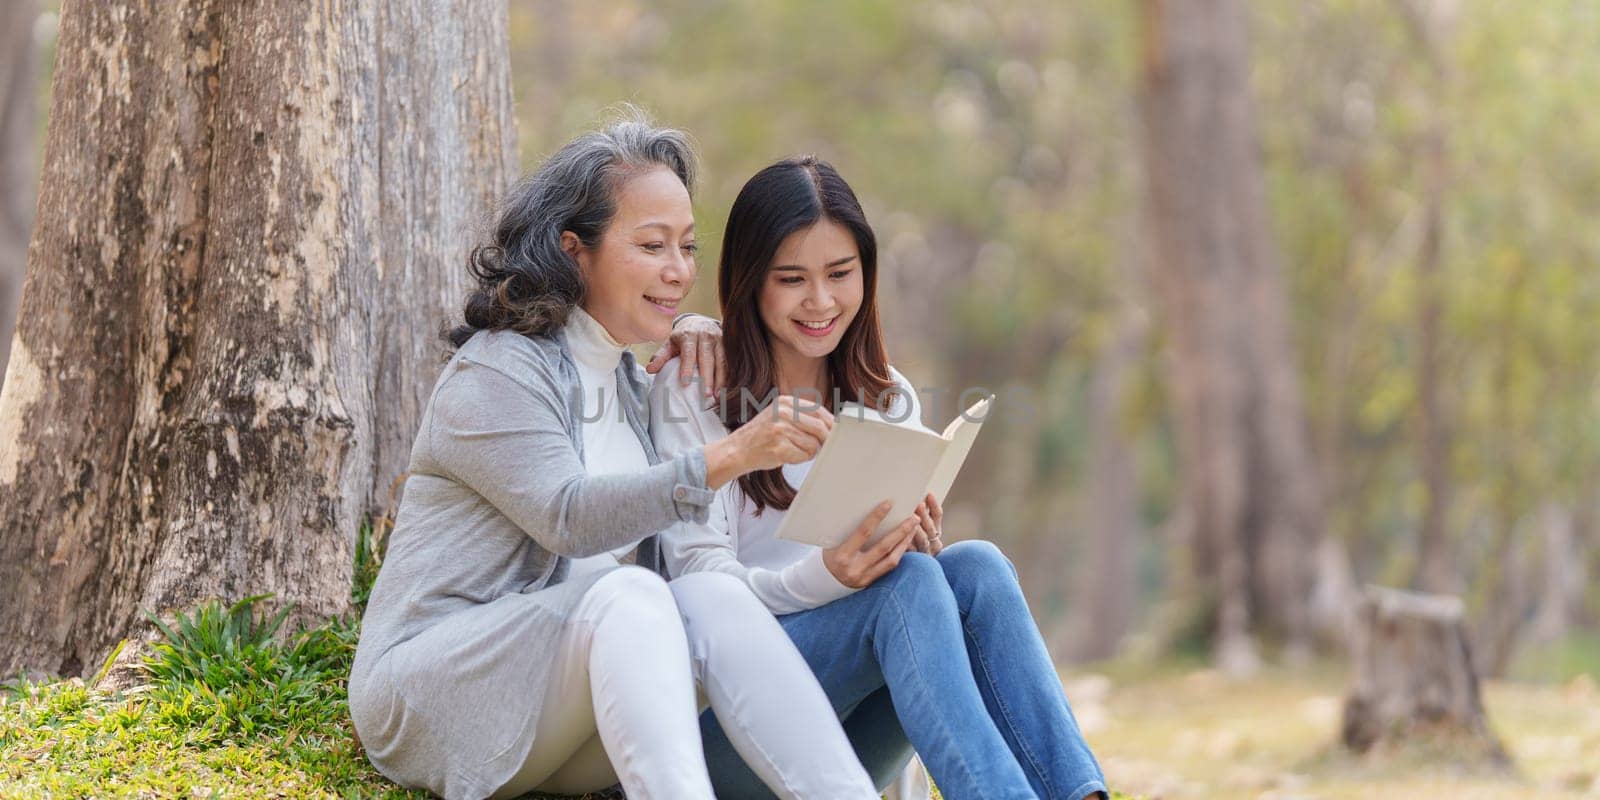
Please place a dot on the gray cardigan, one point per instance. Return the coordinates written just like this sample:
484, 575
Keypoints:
457, 641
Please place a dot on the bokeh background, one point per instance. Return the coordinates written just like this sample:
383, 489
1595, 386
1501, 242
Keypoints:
1432, 177
996, 148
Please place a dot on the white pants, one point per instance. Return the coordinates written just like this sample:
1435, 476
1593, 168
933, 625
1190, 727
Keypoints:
622, 702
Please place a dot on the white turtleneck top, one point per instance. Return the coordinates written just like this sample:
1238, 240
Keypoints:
609, 444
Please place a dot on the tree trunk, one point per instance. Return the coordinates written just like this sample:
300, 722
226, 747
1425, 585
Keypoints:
1435, 570
1246, 471
1109, 590
19, 102
1415, 688
1560, 586
252, 223
1586, 530
1507, 572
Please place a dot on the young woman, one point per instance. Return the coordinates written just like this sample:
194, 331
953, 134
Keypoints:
487, 664
934, 647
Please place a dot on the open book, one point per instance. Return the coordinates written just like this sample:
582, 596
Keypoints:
868, 459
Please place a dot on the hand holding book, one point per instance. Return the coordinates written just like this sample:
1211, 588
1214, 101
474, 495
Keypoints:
866, 458
930, 528
856, 562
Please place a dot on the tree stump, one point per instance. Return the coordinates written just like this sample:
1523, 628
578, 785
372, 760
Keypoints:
1415, 688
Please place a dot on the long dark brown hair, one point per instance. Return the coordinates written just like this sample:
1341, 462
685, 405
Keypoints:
788, 196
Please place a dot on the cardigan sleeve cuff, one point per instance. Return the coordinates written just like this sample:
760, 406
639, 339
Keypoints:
690, 497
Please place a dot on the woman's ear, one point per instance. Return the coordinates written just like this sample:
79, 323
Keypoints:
573, 247
570, 243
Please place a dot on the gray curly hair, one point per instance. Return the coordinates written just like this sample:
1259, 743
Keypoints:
524, 280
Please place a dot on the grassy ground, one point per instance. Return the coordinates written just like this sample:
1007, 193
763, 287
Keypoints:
1168, 732
232, 710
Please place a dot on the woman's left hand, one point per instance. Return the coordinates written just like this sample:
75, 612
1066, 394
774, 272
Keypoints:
930, 518
697, 342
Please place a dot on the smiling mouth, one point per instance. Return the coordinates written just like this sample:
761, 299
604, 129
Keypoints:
668, 304
812, 328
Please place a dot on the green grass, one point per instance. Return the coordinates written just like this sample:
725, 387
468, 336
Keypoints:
234, 706
231, 710
231, 707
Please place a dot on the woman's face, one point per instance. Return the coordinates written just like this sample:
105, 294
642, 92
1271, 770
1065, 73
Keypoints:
813, 290
643, 265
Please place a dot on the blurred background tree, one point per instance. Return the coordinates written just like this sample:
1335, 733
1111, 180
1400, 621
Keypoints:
1428, 165
1249, 500
1427, 168
1280, 298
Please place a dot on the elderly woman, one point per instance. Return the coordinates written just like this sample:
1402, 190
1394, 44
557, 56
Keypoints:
504, 648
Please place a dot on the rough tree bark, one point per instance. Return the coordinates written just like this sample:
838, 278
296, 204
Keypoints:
18, 124
1415, 688
252, 222
1248, 479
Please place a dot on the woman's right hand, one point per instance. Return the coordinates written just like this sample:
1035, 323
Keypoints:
788, 431
856, 564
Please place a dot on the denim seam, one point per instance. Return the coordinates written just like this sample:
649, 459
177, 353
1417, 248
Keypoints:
1005, 711
950, 739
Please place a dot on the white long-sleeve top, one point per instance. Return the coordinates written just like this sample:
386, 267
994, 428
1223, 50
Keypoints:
787, 576
610, 446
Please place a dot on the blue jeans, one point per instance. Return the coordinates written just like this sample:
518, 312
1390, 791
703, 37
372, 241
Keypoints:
940, 655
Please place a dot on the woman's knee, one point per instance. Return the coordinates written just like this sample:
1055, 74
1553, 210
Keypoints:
634, 592
711, 595
719, 612
916, 574
634, 579
633, 621
976, 559
913, 593
981, 576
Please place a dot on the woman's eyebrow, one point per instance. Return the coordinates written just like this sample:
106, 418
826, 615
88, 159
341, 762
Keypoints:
830, 265
662, 225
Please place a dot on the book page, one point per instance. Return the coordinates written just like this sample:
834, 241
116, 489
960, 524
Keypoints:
961, 434
862, 463
862, 412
